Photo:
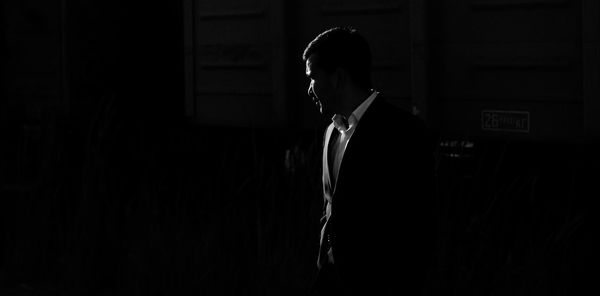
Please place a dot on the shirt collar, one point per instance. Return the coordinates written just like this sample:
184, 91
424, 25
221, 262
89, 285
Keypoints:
360, 110
341, 123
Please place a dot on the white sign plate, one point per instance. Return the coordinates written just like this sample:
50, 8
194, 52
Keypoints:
505, 121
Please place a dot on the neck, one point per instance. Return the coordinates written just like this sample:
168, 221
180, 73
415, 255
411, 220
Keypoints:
352, 99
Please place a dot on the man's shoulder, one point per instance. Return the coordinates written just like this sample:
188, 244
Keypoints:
382, 111
386, 118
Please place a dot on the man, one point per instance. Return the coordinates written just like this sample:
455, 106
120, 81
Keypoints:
377, 230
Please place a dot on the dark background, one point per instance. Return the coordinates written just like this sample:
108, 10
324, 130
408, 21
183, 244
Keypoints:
114, 180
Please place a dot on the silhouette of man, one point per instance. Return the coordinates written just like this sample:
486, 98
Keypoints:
377, 231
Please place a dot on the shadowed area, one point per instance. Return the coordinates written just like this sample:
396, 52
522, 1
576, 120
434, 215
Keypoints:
121, 174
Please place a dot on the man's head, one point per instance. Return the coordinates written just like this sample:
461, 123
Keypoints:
335, 59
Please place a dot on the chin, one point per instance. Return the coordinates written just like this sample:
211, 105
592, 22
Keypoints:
320, 107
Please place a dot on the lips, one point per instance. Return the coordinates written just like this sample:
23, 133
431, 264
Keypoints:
316, 101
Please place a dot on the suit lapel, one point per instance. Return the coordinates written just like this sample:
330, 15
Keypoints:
365, 130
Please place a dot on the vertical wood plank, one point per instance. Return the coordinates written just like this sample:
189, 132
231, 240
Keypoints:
418, 57
189, 66
591, 67
64, 90
278, 60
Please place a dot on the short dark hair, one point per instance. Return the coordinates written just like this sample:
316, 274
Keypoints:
343, 47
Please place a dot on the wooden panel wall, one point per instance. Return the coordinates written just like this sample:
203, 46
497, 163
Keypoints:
518, 55
234, 51
33, 36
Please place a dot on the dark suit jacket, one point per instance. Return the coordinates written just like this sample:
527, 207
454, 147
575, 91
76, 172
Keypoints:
381, 226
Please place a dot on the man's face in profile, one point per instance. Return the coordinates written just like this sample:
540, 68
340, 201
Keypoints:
321, 88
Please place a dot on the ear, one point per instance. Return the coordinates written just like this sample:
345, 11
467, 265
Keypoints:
339, 78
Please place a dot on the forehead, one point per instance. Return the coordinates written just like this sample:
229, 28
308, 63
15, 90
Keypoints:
311, 64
